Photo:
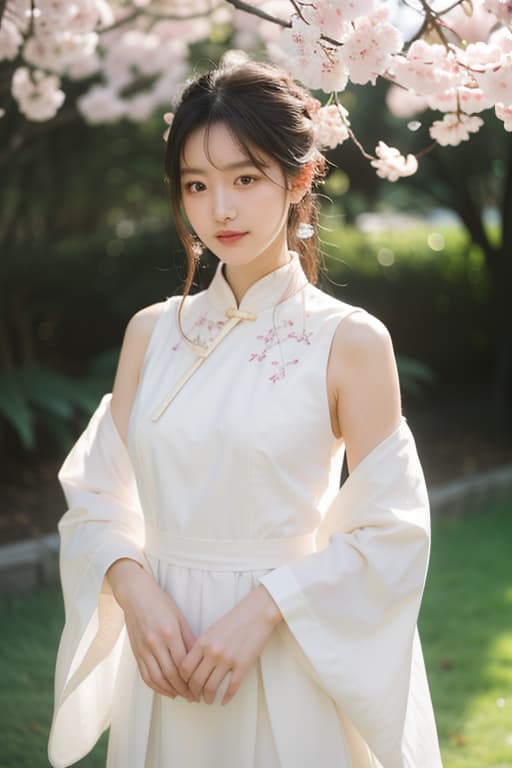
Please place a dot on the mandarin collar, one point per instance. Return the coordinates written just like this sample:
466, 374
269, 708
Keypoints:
264, 293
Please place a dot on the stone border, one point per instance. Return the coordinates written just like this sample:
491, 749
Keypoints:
465, 496
31, 563
27, 564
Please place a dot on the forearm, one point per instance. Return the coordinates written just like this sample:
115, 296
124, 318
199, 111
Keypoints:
122, 574
268, 605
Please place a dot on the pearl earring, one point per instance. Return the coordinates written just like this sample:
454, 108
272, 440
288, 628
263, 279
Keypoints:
304, 231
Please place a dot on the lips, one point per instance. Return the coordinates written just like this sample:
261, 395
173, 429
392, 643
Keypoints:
230, 237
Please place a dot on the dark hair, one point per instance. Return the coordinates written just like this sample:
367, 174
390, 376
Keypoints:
264, 108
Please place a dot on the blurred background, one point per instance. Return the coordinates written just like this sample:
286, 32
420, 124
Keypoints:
86, 239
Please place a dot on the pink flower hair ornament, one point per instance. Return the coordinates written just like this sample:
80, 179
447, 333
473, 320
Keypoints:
168, 118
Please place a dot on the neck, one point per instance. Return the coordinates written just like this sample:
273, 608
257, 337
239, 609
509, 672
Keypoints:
241, 276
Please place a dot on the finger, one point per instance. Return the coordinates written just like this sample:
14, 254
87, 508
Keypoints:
232, 688
188, 636
200, 676
172, 675
190, 663
158, 679
211, 685
149, 682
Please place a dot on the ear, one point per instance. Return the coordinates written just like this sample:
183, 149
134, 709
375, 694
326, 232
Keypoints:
301, 183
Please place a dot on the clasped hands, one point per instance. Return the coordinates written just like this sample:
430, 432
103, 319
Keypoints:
171, 660
230, 644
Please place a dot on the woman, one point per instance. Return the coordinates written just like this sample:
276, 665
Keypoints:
226, 603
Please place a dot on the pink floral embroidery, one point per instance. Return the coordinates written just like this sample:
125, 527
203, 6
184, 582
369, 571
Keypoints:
280, 374
202, 322
271, 339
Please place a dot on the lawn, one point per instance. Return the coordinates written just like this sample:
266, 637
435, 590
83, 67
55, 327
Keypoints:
465, 626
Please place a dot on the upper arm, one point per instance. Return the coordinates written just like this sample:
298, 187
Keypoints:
367, 384
135, 341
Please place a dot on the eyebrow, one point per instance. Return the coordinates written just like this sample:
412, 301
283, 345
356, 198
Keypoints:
230, 167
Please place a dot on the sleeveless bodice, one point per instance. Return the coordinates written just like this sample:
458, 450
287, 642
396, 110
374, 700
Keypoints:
245, 450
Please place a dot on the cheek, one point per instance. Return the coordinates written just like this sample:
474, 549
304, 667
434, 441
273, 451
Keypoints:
192, 209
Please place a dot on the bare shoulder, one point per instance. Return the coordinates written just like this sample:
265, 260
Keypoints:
135, 341
364, 378
143, 321
359, 332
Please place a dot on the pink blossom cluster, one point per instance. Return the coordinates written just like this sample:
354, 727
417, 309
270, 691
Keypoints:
37, 93
330, 126
134, 58
87, 38
364, 42
391, 165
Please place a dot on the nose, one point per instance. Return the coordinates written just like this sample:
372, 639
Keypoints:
224, 208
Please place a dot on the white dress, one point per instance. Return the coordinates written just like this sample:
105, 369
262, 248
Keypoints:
231, 479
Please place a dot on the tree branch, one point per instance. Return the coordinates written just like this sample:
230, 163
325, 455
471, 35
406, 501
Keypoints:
248, 8
157, 17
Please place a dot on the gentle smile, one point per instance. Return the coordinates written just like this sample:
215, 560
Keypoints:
230, 237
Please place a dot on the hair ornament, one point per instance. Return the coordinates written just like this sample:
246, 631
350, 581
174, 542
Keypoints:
168, 118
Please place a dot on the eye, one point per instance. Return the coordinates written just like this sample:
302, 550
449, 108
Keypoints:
248, 179
190, 184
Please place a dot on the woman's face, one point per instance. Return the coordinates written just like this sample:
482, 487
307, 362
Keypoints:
234, 196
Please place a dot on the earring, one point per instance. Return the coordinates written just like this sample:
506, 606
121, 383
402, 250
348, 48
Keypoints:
304, 231
197, 246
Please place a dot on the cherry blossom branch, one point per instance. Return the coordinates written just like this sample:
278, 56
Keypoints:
250, 9
351, 133
243, 6
157, 17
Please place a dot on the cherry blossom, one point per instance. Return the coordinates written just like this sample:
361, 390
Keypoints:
496, 81
453, 129
391, 165
427, 69
59, 52
78, 17
38, 94
404, 103
101, 104
468, 100
368, 48
501, 9
10, 40
333, 16
330, 126
318, 65
504, 113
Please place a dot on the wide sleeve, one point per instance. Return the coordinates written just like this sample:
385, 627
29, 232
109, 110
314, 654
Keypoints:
350, 608
104, 522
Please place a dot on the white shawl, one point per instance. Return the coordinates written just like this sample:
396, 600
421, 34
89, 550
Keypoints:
351, 607
104, 522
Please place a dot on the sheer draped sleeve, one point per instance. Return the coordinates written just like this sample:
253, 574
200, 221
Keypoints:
103, 523
351, 607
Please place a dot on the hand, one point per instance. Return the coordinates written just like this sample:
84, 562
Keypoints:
231, 644
159, 634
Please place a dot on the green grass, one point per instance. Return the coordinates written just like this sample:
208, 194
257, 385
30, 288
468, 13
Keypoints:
466, 630
465, 626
